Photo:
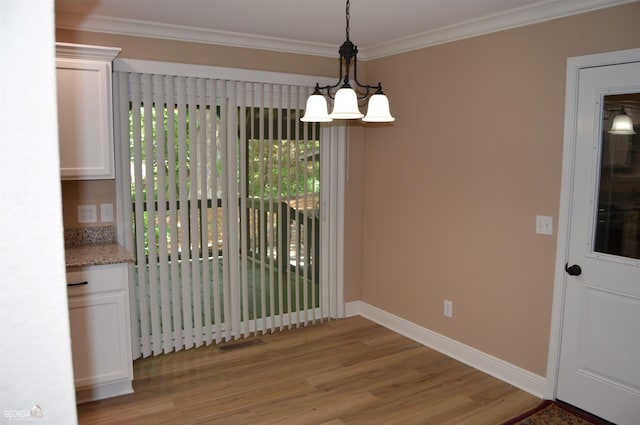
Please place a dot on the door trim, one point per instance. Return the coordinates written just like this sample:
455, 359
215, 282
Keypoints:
574, 66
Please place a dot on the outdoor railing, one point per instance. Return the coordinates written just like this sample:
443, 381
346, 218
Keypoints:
274, 232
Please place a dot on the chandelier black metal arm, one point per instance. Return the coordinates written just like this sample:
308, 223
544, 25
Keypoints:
348, 53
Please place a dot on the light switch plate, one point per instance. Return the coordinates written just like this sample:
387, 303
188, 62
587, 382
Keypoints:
448, 308
544, 225
106, 213
87, 214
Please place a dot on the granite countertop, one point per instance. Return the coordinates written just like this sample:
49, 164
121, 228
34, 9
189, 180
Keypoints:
94, 246
96, 254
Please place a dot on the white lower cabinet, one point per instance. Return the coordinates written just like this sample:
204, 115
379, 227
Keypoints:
100, 331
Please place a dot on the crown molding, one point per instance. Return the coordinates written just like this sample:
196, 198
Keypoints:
540, 12
83, 51
131, 27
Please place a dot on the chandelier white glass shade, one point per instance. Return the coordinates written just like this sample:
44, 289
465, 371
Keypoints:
346, 99
316, 110
622, 124
345, 105
378, 109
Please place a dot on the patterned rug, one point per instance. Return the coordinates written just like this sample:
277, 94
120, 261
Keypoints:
551, 413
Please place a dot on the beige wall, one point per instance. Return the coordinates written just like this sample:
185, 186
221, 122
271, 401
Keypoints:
93, 192
354, 212
442, 204
452, 189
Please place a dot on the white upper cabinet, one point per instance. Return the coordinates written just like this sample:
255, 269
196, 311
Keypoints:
85, 113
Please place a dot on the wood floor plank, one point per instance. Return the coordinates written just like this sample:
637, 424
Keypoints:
340, 372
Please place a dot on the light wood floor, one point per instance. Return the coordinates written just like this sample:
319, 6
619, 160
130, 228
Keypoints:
350, 371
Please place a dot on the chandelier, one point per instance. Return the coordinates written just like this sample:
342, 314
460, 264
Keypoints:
346, 98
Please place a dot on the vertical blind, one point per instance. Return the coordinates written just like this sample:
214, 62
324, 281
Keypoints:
225, 213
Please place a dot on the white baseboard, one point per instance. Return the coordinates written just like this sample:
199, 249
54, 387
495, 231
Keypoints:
102, 391
352, 308
507, 372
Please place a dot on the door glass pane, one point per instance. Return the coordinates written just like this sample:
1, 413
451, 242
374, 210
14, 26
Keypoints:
618, 215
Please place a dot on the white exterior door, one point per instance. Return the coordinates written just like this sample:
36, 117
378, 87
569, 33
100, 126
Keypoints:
599, 364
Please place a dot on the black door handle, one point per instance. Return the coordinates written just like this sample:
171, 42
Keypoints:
574, 270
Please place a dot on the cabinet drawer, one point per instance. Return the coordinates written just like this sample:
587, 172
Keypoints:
95, 279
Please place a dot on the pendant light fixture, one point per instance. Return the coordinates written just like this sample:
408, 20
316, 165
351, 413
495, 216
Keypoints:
346, 98
622, 124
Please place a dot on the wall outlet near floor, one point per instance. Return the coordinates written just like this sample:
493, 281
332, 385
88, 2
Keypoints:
87, 214
448, 308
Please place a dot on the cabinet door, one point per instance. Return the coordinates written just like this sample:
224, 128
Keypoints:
85, 119
99, 338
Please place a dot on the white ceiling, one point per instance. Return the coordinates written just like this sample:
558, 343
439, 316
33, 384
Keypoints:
378, 27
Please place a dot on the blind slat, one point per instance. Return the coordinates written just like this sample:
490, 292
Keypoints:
203, 141
226, 237
142, 304
213, 178
163, 340
174, 235
232, 184
152, 255
244, 281
254, 220
304, 240
282, 248
271, 226
194, 237
184, 212
262, 226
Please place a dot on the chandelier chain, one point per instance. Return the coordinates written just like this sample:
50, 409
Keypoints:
348, 16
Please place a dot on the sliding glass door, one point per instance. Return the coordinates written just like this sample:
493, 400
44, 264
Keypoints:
224, 187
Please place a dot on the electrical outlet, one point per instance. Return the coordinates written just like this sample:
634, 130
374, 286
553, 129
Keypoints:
106, 213
87, 214
448, 308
